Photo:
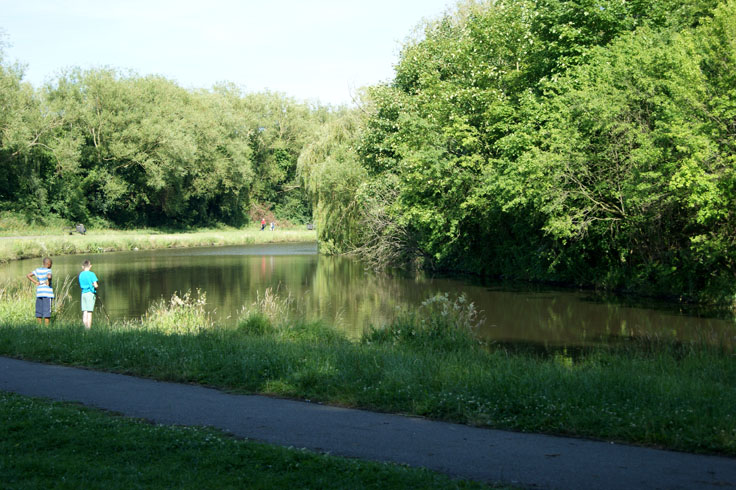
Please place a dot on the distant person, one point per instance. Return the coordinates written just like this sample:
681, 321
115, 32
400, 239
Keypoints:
88, 283
79, 228
263, 224
41, 277
272, 225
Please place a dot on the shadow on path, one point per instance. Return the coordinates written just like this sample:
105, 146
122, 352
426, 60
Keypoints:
480, 454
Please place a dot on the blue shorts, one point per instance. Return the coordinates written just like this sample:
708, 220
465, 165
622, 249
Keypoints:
43, 307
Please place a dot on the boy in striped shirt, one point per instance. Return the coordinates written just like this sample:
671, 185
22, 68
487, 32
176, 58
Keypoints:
41, 277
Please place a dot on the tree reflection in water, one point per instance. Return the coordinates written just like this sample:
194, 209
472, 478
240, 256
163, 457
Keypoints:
340, 291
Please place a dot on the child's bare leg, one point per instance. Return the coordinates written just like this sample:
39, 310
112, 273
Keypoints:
87, 319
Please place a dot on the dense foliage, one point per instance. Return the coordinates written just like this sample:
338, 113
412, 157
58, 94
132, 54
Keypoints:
581, 141
588, 142
133, 151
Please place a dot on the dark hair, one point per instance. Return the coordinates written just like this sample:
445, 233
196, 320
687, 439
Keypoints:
86, 263
46, 259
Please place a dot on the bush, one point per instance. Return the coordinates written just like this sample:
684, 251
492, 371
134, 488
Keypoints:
440, 323
180, 315
255, 323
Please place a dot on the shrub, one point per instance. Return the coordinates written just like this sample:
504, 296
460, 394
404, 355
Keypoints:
440, 323
255, 323
181, 314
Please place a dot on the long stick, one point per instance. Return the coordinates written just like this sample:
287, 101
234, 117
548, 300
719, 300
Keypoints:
102, 308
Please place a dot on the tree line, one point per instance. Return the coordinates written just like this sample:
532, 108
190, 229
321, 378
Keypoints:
587, 142
127, 150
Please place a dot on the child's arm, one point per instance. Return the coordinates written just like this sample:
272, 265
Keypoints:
32, 277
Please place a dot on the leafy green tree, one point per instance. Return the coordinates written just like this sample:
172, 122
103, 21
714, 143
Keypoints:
151, 152
331, 172
25, 157
280, 129
576, 141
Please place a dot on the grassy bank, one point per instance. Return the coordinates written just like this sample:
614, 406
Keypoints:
55, 445
426, 363
96, 241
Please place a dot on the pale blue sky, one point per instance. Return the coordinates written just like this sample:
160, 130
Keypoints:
321, 50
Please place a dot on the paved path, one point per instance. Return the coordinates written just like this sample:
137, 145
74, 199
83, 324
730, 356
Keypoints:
486, 455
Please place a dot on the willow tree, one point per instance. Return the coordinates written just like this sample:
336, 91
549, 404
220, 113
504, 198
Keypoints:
330, 170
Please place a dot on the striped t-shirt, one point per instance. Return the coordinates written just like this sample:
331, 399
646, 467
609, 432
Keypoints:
43, 290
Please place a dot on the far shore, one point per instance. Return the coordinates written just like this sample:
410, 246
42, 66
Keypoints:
58, 242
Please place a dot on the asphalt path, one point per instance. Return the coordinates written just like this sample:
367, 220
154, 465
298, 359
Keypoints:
527, 460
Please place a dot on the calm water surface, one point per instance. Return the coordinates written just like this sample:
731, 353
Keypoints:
340, 291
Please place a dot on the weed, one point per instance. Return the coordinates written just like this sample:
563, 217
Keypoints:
179, 315
440, 323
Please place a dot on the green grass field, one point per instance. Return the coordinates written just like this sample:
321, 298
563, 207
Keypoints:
111, 240
59, 445
426, 363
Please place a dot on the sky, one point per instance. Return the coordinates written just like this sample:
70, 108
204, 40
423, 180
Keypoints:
321, 50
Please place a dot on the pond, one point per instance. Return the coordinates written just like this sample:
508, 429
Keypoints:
340, 291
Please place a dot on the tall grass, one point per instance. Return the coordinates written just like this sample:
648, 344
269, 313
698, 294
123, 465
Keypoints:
271, 315
182, 314
439, 323
18, 299
270, 306
17, 224
427, 363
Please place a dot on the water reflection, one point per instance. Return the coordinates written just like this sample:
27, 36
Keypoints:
340, 291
